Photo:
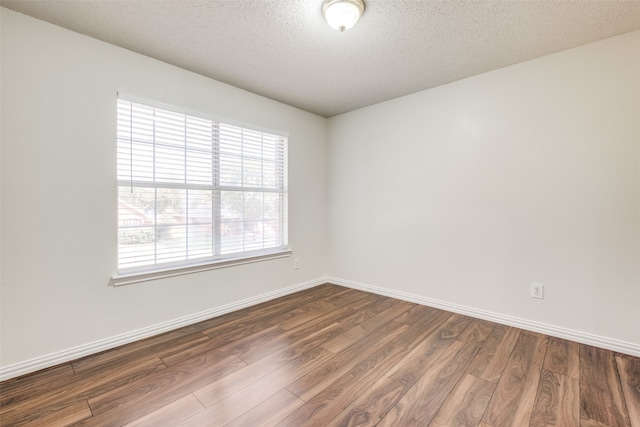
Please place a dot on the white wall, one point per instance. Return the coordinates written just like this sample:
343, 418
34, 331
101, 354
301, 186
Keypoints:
469, 192
59, 192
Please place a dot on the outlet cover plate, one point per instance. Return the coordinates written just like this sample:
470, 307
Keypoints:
537, 290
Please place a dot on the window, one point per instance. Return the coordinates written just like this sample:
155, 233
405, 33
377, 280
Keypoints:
193, 191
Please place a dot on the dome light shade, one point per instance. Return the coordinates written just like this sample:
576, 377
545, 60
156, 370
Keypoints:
342, 14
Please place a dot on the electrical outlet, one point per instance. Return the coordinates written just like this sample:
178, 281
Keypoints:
537, 290
296, 263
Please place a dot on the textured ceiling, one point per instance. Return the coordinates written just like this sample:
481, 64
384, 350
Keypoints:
284, 50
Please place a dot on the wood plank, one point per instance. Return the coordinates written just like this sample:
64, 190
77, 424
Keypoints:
226, 345
322, 407
432, 320
267, 315
601, 397
345, 297
466, 403
492, 358
18, 389
321, 377
426, 352
629, 371
370, 322
415, 314
477, 332
46, 401
239, 403
319, 332
170, 414
512, 401
243, 377
592, 423
269, 412
367, 312
323, 309
127, 403
266, 325
370, 407
557, 402
66, 416
287, 303
169, 342
298, 316
324, 327
563, 357
419, 405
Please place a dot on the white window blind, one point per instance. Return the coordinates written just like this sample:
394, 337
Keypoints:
193, 190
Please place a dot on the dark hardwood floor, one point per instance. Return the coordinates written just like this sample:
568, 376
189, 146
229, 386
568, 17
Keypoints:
335, 356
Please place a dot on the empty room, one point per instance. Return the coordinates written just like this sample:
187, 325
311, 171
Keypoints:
320, 213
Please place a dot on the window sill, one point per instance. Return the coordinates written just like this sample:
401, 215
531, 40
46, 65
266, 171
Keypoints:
127, 278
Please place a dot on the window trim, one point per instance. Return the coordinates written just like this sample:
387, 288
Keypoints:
144, 275
130, 275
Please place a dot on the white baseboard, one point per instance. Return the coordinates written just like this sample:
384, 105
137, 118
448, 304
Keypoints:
64, 356
529, 325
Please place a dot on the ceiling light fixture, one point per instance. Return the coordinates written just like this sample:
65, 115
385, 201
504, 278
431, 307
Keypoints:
342, 14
